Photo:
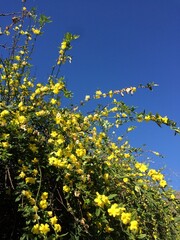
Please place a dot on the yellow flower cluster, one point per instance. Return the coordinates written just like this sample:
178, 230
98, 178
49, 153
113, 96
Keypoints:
43, 204
115, 210
141, 167
41, 229
157, 176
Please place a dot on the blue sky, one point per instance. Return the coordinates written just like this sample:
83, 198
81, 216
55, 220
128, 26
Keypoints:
122, 43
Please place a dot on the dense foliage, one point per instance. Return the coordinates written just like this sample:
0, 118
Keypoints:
63, 175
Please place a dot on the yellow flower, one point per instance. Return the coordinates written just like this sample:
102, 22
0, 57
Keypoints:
4, 113
147, 118
80, 152
53, 220
120, 138
98, 94
165, 119
66, 188
125, 180
53, 101
130, 129
87, 98
101, 200
43, 204
35, 229
172, 196
22, 174
44, 228
22, 119
35, 172
44, 195
63, 45
30, 180
106, 176
50, 213
133, 225
36, 31
17, 58
124, 115
115, 210
57, 228
54, 134
28, 194
142, 167
126, 217
163, 183
126, 155
111, 93
5, 144
35, 208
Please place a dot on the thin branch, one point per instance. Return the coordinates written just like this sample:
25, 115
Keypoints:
8, 14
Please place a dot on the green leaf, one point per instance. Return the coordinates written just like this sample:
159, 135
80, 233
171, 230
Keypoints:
44, 19
111, 196
98, 210
141, 236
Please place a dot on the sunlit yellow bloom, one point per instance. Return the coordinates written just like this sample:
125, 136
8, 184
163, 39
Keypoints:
80, 152
125, 180
50, 213
115, 210
57, 227
44, 228
17, 58
147, 118
53, 101
30, 180
127, 155
36, 31
142, 167
54, 134
130, 129
4, 113
43, 204
101, 200
110, 93
44, 195
28, 194
66, 188
133, 225
87, 98
63, 45
5, 144
106, 176
22, 175
35, 229
163, 183
35, 208
98, 94
35, 172
53, 220
126, 217
172, 196
165, 120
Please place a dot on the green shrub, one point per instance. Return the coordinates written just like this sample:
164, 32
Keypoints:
63, 176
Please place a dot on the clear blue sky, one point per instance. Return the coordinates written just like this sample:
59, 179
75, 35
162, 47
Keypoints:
122, 43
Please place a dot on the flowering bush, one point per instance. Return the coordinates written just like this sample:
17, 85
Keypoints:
62, 174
